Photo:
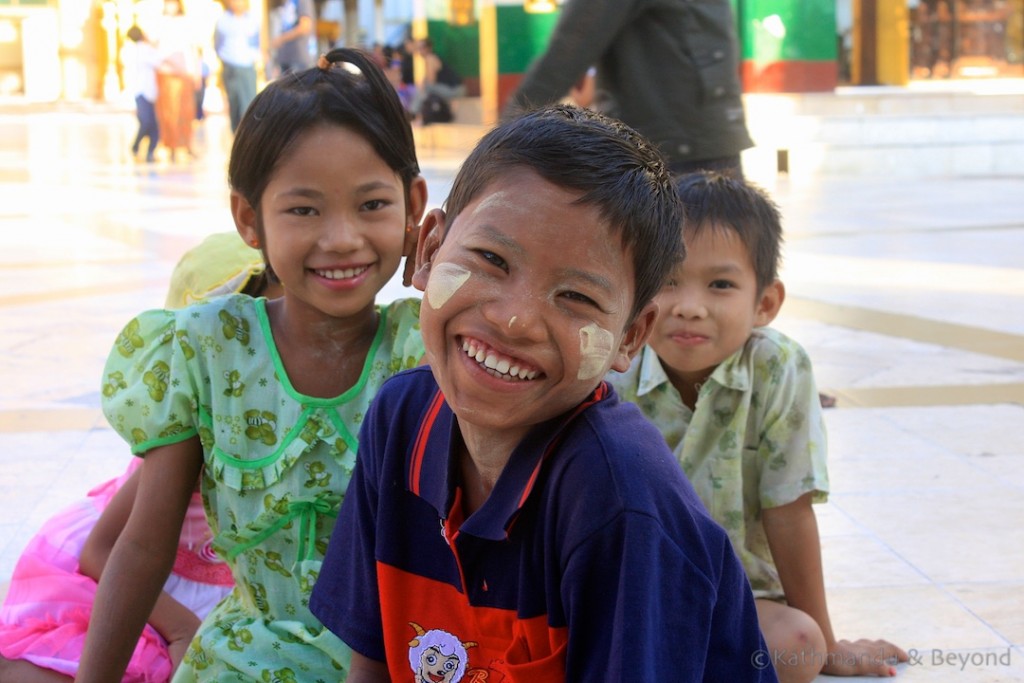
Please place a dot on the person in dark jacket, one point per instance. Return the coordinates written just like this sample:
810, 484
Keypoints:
668, 68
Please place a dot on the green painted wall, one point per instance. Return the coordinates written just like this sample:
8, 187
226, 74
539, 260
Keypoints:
787, 30
459, 46
768, 30
522, 37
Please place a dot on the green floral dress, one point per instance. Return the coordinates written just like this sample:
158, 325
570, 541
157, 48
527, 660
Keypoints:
277, 464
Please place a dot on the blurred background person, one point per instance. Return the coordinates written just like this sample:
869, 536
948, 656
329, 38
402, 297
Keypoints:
146, 59
441, 84
292, 30
236, 40
406, 55
582, 92
393, 70
669, 69
179, 77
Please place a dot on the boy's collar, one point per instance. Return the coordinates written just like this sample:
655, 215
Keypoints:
730, 373
431, 473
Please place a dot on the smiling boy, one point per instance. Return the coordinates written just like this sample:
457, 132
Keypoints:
737, 403
504, 501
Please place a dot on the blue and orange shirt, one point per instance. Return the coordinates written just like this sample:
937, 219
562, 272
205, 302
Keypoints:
592, 559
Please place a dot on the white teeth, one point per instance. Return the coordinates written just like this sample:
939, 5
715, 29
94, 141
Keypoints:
340, 273
493, 363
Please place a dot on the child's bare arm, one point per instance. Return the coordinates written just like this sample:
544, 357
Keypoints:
366, 670
133, 575
108, 527
792, 532
172, 620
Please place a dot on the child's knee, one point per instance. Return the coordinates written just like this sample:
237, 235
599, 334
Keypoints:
795, 641
805, 635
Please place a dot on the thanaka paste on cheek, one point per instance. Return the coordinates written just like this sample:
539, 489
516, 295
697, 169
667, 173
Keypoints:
444, 281
595, 350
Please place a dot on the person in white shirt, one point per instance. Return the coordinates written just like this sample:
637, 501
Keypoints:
236, 40
146, 60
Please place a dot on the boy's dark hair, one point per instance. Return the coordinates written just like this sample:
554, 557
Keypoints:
135, 34
614, 167
364, 101
717, 202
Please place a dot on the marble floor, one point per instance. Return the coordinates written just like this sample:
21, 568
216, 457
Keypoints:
909, 295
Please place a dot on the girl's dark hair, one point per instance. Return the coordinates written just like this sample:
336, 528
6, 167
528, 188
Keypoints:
612, 167
348, 89
717, 202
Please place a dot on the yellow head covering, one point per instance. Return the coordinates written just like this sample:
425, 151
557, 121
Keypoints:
220, 264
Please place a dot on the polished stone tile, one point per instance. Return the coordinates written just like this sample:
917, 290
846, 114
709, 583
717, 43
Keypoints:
894, 472
913, 617
972, 536
861, 560
988, 665
997, 604
832, 521
973, 430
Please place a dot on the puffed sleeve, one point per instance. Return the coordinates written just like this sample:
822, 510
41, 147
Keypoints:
148, 388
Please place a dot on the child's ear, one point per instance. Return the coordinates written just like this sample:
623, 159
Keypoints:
417, 205
417, 201
245, 219
770, 303
635, 337
431, 233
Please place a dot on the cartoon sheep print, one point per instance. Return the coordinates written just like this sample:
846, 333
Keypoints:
437, 656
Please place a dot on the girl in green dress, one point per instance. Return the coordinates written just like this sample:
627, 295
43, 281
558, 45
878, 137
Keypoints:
262, 399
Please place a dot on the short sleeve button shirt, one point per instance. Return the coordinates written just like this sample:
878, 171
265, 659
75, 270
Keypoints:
756, 439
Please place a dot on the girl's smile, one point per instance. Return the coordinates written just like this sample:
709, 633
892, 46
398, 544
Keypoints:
333, 219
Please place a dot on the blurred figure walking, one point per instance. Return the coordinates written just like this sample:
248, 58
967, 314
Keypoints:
146, 60
667, 68
236, 40
178, 78
293, 24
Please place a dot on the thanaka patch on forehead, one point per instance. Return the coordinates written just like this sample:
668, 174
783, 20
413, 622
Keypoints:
499, 199
444, 281
595, 350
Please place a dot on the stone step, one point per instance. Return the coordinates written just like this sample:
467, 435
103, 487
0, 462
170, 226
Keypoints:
898, 132
925, 130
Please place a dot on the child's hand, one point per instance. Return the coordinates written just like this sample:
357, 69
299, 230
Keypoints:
863, 657
177, 625
176, 651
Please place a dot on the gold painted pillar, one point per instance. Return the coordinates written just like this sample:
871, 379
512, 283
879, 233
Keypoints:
111, 81
490, 109
881, 42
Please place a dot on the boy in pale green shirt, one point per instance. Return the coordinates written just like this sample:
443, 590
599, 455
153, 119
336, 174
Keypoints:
743, 396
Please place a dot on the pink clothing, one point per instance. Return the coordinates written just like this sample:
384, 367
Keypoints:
46, 613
